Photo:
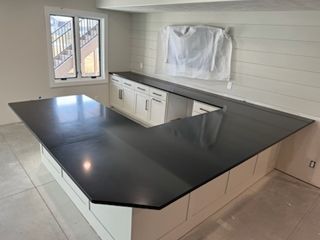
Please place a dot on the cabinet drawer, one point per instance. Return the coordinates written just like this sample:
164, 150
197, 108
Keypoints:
117, 79
203, 107
75, 188
159, 94
128, 84
142, 88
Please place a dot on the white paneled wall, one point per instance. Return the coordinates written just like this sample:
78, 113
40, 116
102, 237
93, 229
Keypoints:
276, 58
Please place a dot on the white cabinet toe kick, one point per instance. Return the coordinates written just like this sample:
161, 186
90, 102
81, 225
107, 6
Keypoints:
175, 220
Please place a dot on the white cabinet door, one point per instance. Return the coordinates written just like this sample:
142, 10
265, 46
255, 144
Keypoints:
128, 100
142, 107
116, 96
157, 111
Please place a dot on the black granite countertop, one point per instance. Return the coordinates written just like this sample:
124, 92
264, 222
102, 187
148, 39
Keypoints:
151, 167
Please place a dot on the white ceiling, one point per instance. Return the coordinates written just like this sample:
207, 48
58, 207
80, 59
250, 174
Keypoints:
246, 5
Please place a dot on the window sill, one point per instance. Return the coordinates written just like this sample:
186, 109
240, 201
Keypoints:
76, 82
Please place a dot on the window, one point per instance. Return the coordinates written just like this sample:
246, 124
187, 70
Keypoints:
76, 47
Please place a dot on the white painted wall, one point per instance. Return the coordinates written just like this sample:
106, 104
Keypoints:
23, 50
276, 62
276, 57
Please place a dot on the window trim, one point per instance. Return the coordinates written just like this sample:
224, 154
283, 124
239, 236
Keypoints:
103, 46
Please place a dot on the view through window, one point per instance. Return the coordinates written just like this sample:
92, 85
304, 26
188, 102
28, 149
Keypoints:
76, 47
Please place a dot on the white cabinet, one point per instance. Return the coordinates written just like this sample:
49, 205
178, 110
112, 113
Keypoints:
157, 111
142, 107
116, 95
128, 100
145, 104
201, 108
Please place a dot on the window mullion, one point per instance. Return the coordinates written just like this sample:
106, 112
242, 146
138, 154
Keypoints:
78, 49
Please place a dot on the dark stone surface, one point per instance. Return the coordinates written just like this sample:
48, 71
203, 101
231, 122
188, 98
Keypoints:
114, 160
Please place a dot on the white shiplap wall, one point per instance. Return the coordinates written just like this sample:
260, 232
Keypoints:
276, 58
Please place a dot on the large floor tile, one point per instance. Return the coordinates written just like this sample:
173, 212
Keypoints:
18, 136
309, 228
24, 216
271, 213
31, 161
26, 148
13, 178
66, 213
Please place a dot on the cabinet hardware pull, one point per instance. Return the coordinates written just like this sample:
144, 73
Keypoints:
142, 89
128, 84
156, 100
204, 110
120, 94
157, 94
146, 107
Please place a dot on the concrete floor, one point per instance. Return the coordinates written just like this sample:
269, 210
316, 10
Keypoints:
33, 206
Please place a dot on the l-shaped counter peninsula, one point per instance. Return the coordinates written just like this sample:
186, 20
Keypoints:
129, 177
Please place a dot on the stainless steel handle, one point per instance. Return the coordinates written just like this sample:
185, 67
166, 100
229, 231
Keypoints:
154, 99
157, 94
120, 94
204, 110
128, 84
142, 89
147, 103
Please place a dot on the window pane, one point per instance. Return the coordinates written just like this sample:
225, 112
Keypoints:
89, 47
63, 49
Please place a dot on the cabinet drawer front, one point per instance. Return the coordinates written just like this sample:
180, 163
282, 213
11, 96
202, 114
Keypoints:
159, 94
117, 79
142, 88
75, 188
128, 84
203, 108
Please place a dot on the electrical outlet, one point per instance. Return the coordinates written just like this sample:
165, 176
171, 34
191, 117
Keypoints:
141, 65
312, 164
229, 85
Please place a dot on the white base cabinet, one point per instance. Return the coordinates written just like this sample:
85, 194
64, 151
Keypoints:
142, 103
157, 111
174, 221
201, 108
145, 104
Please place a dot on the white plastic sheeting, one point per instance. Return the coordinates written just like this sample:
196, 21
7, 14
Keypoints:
202, 52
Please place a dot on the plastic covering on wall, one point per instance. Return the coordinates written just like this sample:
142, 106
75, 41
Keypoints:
201, 52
